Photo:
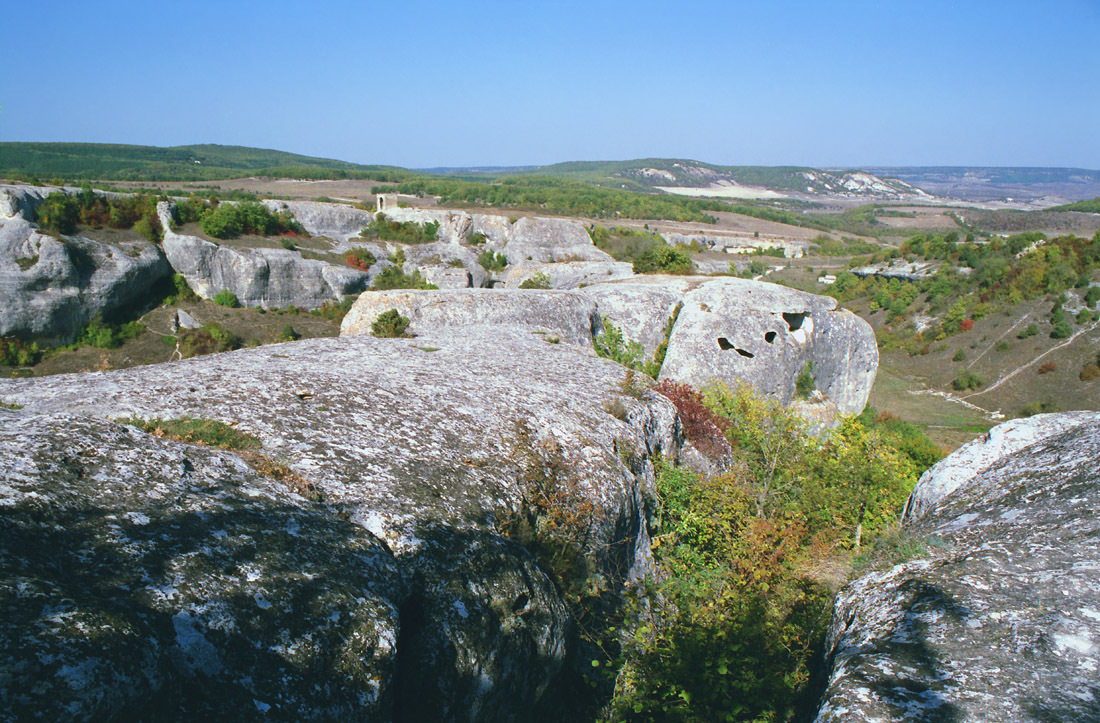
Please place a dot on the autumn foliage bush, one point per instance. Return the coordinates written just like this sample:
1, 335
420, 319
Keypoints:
701, 426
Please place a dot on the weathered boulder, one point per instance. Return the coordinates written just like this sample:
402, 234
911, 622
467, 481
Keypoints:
18, 201
141, 578
51, 287
1000, 619
569, 274
271, 278
547, 240
766, 335
455, 266
641, 306
733, 329
563, 315
438, 446
337, 221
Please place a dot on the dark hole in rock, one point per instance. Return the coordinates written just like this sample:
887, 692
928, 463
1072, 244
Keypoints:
724, 343
747, 354
770, 337
794, 319
520, 603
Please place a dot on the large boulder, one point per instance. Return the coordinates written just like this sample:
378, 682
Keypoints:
51, 287
440, 447
337, 221
734, 329
453, 265
999, 620
141, 578
557, 315
546, 240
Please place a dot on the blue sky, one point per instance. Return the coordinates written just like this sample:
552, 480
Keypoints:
428, 83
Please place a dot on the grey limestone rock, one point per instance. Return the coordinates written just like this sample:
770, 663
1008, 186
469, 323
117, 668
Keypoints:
271, 278
733, 329
1000, 619
547, 240
141, 578
337, 221
453, 265
51, 287
569, 274
433, 445
766, 334
563, 315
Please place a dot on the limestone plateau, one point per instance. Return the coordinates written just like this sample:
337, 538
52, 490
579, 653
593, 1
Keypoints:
143, 578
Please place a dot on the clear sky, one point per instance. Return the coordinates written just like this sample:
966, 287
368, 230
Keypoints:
525, 82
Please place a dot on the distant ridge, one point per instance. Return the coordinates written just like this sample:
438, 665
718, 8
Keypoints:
202, 162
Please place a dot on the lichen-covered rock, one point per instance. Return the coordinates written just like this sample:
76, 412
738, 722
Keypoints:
438, 445
147, 579
547, 240
563, 315
453, 265
1000, 619
270, 278
978, 455
765, 334
569, 274
337, 221
51, 287
642, 306
18, 201
733, 329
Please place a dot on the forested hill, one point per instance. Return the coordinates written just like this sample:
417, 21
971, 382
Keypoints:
104, 161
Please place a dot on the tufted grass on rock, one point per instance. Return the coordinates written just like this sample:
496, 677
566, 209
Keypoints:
389, 325
208, 432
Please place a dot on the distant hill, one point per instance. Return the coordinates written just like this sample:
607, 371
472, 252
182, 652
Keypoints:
1091, 205
115, 162
979, 183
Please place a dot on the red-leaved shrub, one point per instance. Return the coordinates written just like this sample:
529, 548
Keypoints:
1048, 367
702, 427
966, 325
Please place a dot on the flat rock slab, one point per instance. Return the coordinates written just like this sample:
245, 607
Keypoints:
431, 444
146, 578
1000, 620
563, 315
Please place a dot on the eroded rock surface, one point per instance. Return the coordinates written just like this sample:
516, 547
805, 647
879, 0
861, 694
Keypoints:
569, 274
51, 287
337, 221
145, 578
562, 315
733, 329
435, 445
1000, 619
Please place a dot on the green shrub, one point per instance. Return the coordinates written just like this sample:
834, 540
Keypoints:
109, 336
392, 277
804, 384
210, 339
389, 325
967, 380
664, 259
537, 281
406, 232
1031, 330
229, 220
492, 260
287, 333
960, 355
359, 258
610, 344
1084, 316
17, 353
227, 298
335, 311
1061, 330
1002, 346
476, 239
1092, 296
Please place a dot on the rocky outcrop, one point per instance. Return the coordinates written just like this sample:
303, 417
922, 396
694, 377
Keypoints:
569, 274
337, 221
51, 287
435, 447
999, 620
546, 240
446, 265
20, 201
144, 578
733, 329
557, 315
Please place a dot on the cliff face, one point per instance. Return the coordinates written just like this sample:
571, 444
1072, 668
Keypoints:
433, 458
1000, 620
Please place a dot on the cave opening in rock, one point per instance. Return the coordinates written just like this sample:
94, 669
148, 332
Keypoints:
770, 337
794, 319
724, 343
746, 354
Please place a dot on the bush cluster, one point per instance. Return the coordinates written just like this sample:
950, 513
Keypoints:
229, 220
390, 325
61, 213
406, 232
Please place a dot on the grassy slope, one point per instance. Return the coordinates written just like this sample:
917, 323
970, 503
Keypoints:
184, 163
